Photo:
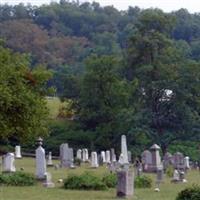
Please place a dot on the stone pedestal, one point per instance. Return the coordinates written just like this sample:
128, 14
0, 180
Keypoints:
125, 184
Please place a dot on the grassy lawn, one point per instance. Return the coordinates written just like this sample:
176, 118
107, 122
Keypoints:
168, 190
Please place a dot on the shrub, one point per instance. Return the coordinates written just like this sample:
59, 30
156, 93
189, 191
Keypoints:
77, 162
85, 181
191, 193
143, 182
170, 171
110, 180
17, 179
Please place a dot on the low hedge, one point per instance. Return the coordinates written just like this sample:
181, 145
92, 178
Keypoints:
191, 193
110, 180
85, 181
143, 182
17, 179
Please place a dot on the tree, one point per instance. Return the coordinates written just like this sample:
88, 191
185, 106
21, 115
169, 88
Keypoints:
23, 111
167, 97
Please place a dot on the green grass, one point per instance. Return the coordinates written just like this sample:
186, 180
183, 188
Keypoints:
168, 190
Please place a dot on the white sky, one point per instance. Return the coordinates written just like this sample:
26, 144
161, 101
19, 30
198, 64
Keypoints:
166, 5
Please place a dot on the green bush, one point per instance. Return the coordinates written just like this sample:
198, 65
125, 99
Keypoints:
110, 180
85, 181
17, 179
170, 171
77, 162
143, 182
191, 193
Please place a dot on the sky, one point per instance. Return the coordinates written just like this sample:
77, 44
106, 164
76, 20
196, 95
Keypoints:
166, 5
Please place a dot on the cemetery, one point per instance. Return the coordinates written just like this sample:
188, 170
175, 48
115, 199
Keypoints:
97, 176
99, 103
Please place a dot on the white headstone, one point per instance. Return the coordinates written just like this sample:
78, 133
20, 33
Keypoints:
108, 156
49, 159
103, 156
187, 162
66, 155
124, 150
8, 163
18, 152
48, 181
94, 160
40, 163
78, 154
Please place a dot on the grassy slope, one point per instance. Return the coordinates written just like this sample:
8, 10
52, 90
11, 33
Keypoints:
168, 190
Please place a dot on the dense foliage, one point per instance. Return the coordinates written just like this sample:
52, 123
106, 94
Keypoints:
85, 181
17, 179
133, 72
192, 193
143, 182
23, 110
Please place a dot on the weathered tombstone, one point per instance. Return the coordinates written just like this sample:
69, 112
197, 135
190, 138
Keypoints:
125, 186
121, 159
8, 163
113, 155
129, 157
156, 161
78, 154
18, 152
107, 156
176, 176
182, 177
48, 181
66, 155
124, 150
103, 156
187, 162
86, 154
178, 161
40, 161
159, 178
167, 160
49, 160
83, 155
146, 160
94, 160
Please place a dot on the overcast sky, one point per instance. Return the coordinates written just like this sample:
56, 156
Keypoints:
166, 5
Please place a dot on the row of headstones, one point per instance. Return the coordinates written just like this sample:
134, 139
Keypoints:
151, 160
67, 156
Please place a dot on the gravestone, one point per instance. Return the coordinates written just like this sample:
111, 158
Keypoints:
187, 162
178, 161
125, 186
176, 176
49, 160
182, 177
129, 157
78, 154
85, 155
8, 161
108, 156
156, 160
48, 181
18, 152
66, 155
103, 156
124, 150
113, 155
167, 160
40, 161
146, 160
121, 159
94, 160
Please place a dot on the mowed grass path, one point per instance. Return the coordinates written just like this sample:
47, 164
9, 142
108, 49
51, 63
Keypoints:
38, 192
